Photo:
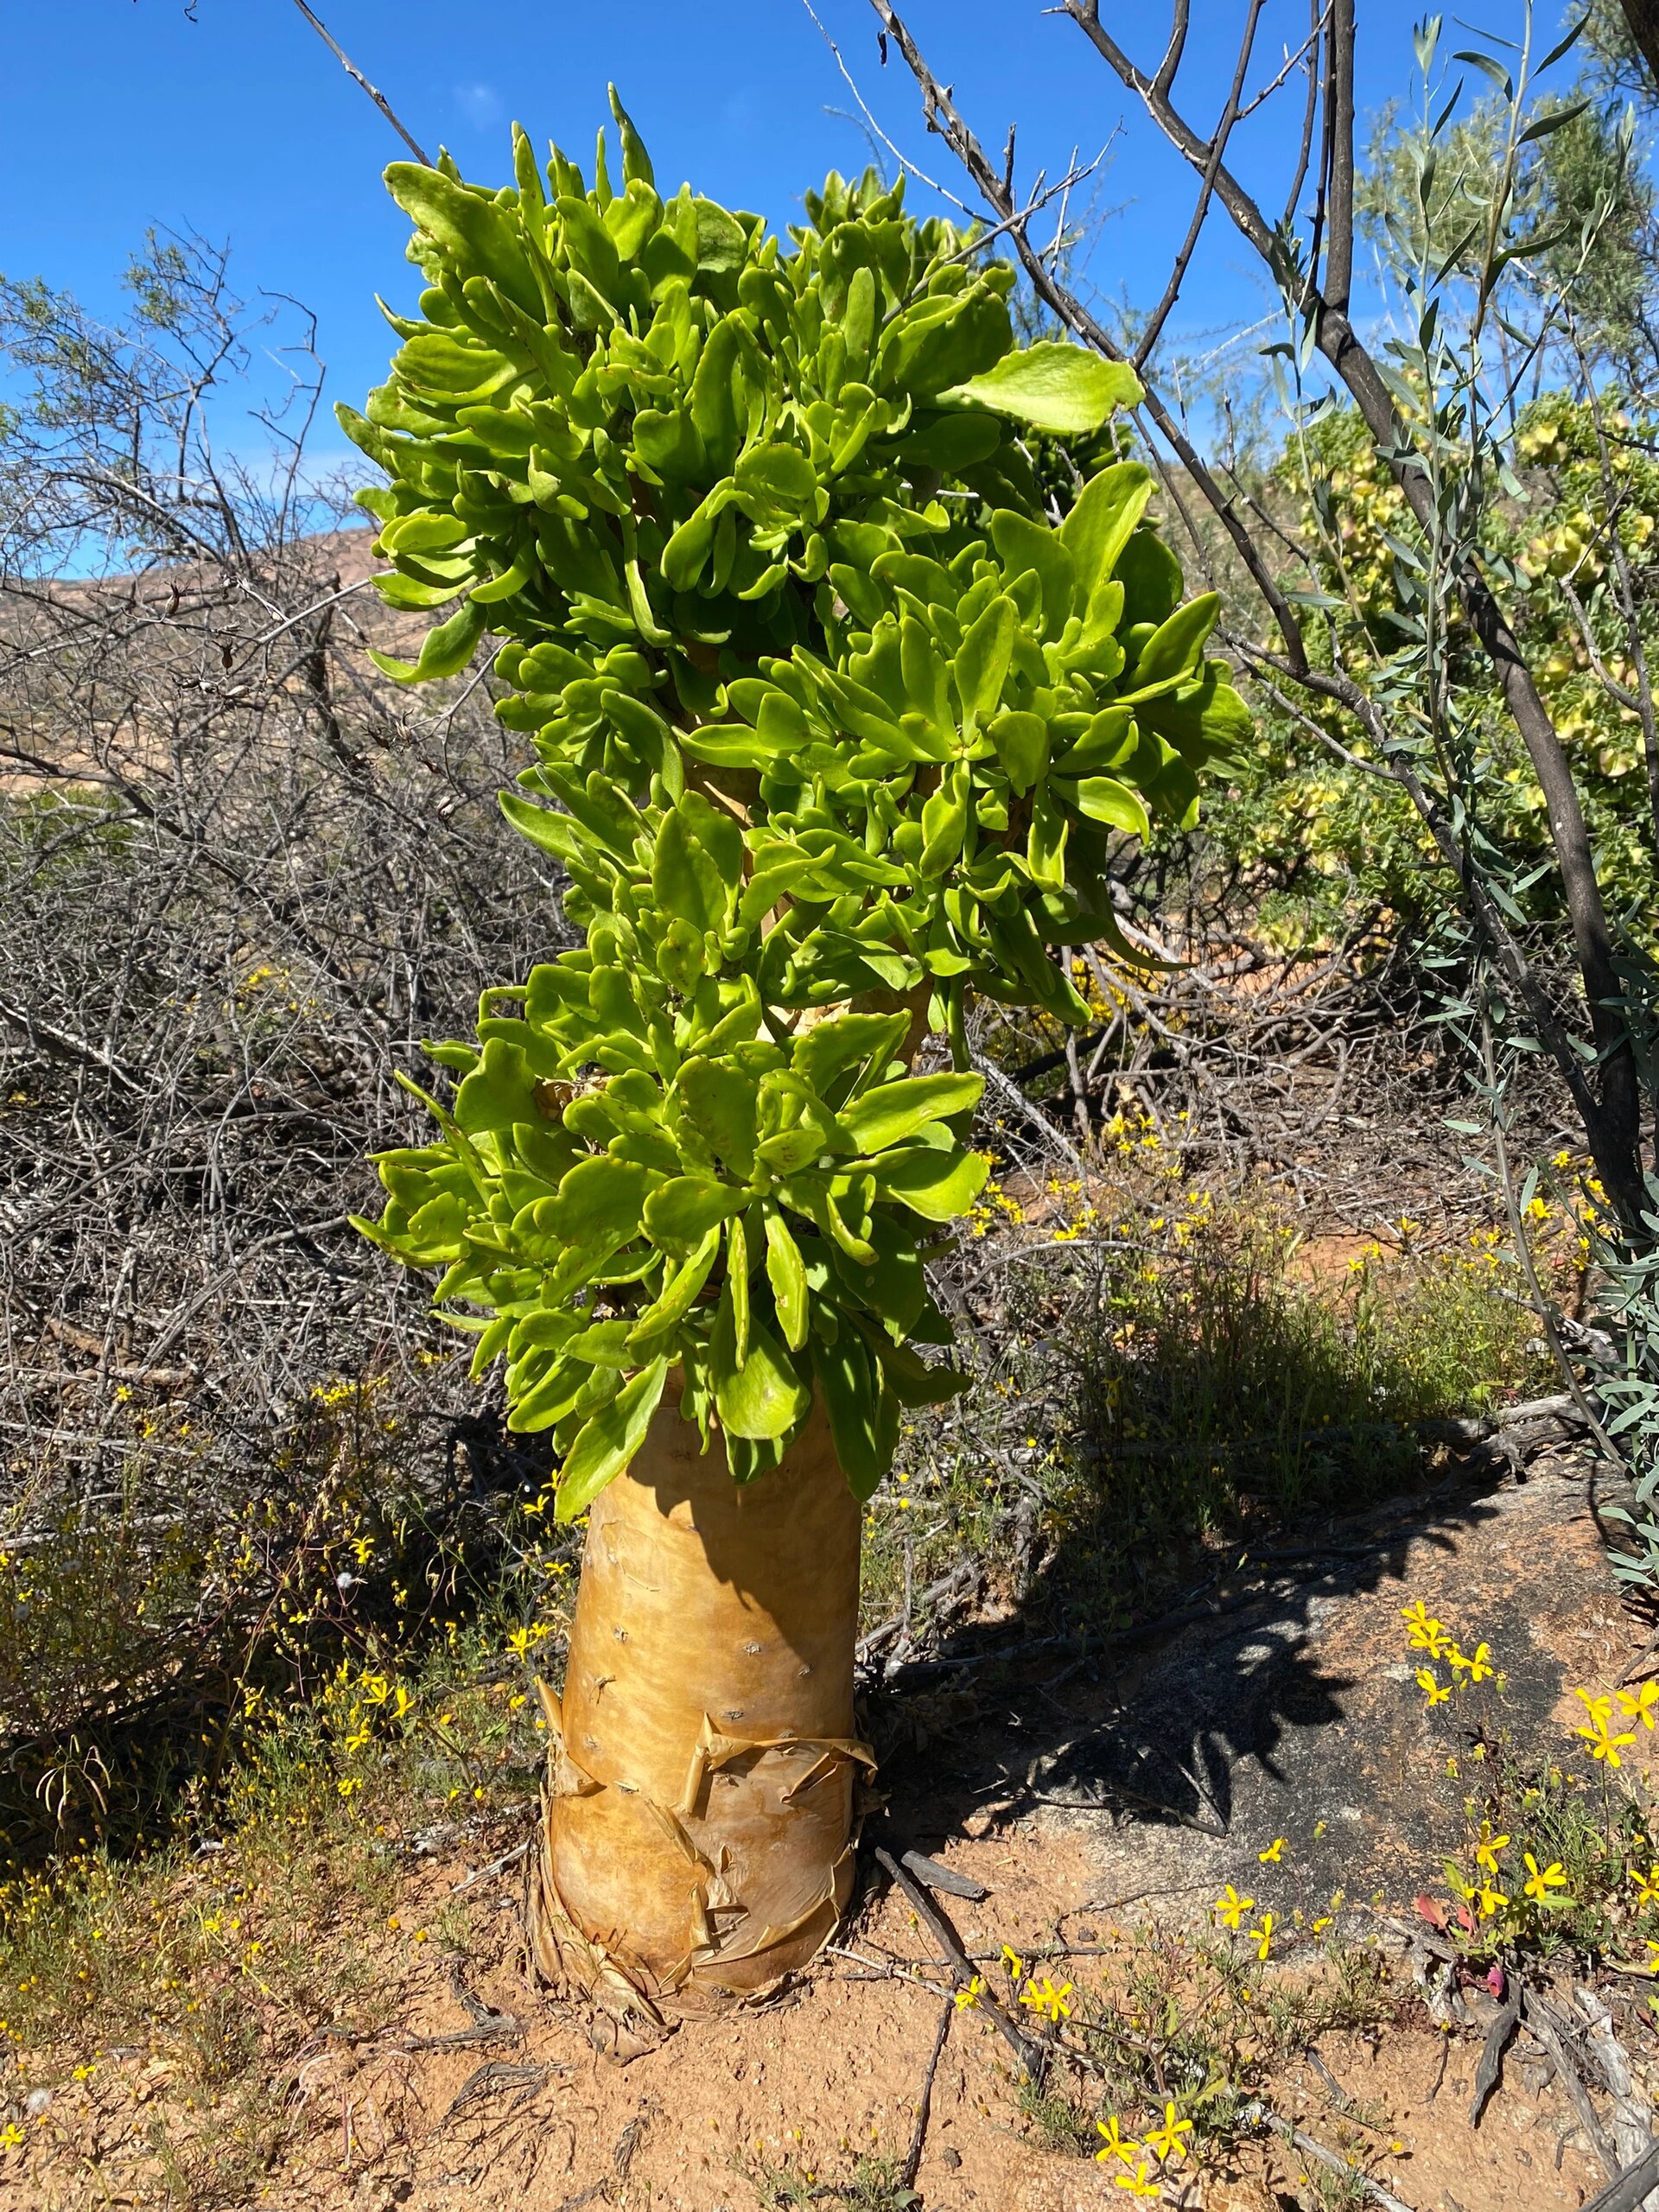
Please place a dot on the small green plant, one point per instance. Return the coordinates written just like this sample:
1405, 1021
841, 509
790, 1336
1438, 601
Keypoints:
1158, 2070
1060, 2123
874, 2185
1557, 1860
1349, 2191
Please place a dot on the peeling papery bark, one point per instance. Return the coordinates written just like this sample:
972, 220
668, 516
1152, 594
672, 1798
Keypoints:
698, 1813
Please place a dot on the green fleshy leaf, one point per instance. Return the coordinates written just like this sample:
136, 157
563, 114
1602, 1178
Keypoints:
600, 1198
764, 1396
1064, 389
609, 1440
680, 1213
786, 1272
938, 1185
1098, 527
863, 1414
1102, 799
893, 1111
1176, 644
444, 652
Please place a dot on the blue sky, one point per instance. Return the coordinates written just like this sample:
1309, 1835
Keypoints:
232, 118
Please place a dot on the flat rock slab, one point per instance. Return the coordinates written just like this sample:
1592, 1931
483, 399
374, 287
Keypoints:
1296, 1714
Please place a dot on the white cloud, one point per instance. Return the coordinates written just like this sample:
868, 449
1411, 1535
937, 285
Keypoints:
479, 104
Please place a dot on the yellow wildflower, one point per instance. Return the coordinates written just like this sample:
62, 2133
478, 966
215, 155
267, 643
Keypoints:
1043, 1996
1230, 1908
1429, 1635
1167, 2140
1478, 1668
1603, 1744
1541, 1880
966, 1999
1116, 2146
1273, 1852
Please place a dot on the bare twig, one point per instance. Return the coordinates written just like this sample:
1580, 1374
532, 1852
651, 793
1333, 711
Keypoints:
1362, 2184
490, 2079
1630, 2192
496, 1867
356, 74
1029, 2053
925, 2102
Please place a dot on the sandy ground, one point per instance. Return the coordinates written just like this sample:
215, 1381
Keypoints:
1290, 1714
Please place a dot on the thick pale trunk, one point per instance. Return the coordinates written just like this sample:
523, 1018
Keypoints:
697, 1842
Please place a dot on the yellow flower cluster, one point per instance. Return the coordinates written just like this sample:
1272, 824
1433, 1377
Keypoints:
995, 1209
1166, 2144
1611, 1724
1424, 1633
1230, 1908
524, 1641
1043, 1996
1597, 1728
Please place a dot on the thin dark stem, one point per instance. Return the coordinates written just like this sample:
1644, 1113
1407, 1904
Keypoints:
924, 2102
1218, 147
356, 74
1340, 199
1173, 52
1310, 109
1642, 16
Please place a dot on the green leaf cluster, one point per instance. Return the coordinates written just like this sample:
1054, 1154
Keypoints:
833, 723
930, 798
636, 1177
620, 419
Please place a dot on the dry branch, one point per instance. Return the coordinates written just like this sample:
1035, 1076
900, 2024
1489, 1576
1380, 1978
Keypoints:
241, 879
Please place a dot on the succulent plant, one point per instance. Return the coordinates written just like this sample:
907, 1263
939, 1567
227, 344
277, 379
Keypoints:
835, 723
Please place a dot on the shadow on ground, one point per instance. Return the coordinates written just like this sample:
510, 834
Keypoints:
1284, 1704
